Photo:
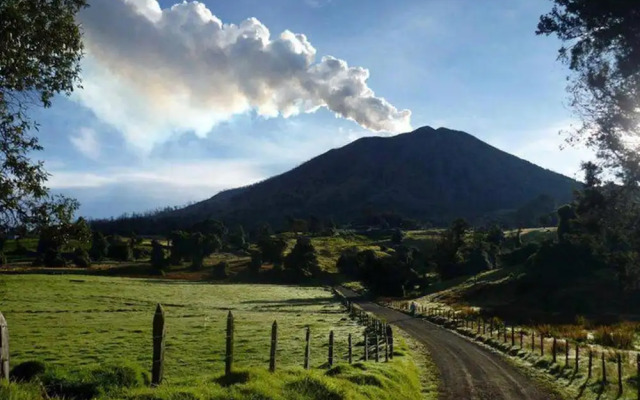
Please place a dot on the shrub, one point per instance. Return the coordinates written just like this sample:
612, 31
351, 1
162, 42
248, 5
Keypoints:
27, 371
397, 236
256, 261
519, 255
221, 270
53, 259
81, 258
120, 250
158, 260
302, 259
621, 336
140, 253
3, 259
99, 246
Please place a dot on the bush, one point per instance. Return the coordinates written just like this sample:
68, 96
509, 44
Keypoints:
158, 260
3, 259
221, 270
27, 371
520, 255
53, 259
621, 336
81, 258
256, 261
99, 247
397, 236
120, 250
140, 253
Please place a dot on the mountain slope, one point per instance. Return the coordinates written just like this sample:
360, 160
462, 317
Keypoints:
429, 175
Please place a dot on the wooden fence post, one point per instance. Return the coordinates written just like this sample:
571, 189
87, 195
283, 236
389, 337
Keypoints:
577, 356
366, 347
590, 363
307, 348
350, 354
330, 360
274, 346
541, 344
484, 327
521, 339
390, 336
566, 353
491, 328
386, 348
554, 350
228, 360
513, 336
377, 348
604, 370
533, 341
638, 373
619, 373
4, 348
157, 368
504, 334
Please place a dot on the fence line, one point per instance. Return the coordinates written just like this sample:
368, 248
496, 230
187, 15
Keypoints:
477, 327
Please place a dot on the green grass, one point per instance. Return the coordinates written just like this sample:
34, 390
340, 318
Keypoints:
79, 324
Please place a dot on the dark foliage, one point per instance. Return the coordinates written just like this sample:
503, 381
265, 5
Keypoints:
397, 236
158, 260
272, 249
81, 258
302, 260
119, 249
256, 261
221, 270
99, 246
519, 255
141, 253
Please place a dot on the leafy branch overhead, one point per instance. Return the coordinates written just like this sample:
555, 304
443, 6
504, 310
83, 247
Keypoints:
40, 52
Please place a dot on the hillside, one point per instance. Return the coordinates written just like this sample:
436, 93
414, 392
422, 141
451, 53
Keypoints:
428, 175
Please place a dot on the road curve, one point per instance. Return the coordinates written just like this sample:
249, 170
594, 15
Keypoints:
467, 370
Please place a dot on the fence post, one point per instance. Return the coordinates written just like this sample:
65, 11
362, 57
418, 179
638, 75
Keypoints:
504, 334
541, 344
484, 327
619, 373
330, 349
366, 347
377, 348
554, 350
533, 341
638, 373
491, 328
157, 369
590, 363
521, 339
4, 348
386, 348
566, 353
307, 348
274, 346
350, 354
513, 336
604, 370
577, 356
228, 360
390, 337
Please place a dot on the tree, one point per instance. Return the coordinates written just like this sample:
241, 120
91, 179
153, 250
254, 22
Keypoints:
238, 238
40, 52
602, 50
302, 259
158, 261
99, 246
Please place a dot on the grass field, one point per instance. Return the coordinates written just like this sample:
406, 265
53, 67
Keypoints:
78, 323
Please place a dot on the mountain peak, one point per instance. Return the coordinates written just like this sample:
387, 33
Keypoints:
428, 174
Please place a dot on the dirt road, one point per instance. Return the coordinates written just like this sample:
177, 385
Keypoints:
467, 370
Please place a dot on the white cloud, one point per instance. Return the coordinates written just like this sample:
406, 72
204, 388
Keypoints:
155, 72
86, 142
213, 175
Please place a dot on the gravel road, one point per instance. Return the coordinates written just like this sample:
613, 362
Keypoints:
467, 370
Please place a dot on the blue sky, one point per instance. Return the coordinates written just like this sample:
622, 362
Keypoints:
174, 108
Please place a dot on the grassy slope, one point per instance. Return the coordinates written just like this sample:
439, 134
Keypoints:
80, 322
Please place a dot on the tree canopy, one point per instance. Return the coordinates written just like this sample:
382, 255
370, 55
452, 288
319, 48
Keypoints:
40, 52
601, 46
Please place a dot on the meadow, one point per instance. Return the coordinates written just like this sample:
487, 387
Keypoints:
80, 323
